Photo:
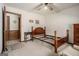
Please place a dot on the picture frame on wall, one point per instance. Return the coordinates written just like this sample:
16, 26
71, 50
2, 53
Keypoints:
31, 21
36, 21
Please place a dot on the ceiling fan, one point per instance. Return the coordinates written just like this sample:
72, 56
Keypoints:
49, 6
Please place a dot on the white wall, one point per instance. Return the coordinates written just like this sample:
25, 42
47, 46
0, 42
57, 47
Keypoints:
0, 28
62, 21
14, 20
26, 16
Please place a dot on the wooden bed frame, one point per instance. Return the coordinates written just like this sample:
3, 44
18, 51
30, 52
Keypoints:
61, 41
38, 31
58, 41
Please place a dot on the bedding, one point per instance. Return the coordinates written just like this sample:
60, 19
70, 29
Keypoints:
38, 36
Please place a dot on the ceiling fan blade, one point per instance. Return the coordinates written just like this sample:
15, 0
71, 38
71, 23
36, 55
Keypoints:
51, 8
55, 9
38, 6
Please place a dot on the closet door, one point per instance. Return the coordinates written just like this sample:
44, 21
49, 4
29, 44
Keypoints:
76, 34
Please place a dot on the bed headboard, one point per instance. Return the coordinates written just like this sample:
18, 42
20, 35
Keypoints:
38, 30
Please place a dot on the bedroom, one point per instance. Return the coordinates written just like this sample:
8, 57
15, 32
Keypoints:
57, 20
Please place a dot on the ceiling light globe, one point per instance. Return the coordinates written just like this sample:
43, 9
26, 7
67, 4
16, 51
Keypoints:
45, 7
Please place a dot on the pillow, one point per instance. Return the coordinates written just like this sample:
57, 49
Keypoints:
38, 36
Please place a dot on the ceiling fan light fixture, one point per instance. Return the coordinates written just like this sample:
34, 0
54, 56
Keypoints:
45, 7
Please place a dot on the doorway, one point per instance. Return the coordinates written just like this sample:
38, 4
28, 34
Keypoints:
11, 28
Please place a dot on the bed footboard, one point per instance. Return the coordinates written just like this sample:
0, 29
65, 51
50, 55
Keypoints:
58, 41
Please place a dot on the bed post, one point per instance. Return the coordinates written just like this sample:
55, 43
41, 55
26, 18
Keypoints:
44, 31
32, 33
55, 41
67, 35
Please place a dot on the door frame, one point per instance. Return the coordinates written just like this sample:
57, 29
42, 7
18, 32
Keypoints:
4, 17
19, 21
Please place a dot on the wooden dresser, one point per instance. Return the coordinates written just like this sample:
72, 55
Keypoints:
76, 34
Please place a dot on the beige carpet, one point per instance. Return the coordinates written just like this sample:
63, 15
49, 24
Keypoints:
33, 48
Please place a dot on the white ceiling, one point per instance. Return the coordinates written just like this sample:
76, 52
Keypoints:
31, 6
24, 6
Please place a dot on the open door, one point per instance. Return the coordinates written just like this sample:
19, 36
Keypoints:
9, 34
